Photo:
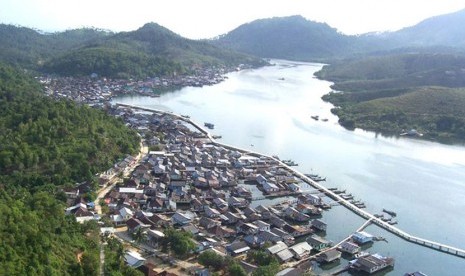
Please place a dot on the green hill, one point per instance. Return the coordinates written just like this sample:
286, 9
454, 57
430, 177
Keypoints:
45, 144
293, 37
148, 51
392, 94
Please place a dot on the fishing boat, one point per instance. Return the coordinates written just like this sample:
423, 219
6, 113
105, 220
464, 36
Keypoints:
392, 213
209, 125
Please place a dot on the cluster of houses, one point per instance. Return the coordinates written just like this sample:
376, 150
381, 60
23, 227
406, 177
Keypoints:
200, 187
94, 89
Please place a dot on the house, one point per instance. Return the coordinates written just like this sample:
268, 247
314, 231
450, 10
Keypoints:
349, 247
301, 250
268, 236
308, 209
284, 255
309, 199
247, 228
285, 236
211, 213
291, 271
134, 225
261, 180
277, 222
182, 218
190, 228
294, 187
329, 256
372, 263
221, 232
279, 246
263, 211
237, 248
237, 202
254, 241
202, 246
319, 225
220, 204
233, 217
208, 223
126, 213
154, 236
362, 237
294, 214
270, 188
318, 243
262, 226
159, 169
134, 259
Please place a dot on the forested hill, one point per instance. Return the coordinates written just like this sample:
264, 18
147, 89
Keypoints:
292, 37
28, 48
148, 51
396, 93
46, 144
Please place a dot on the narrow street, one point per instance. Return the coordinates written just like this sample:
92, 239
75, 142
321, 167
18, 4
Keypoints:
102, 192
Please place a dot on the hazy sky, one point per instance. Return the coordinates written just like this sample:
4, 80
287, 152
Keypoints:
209, 18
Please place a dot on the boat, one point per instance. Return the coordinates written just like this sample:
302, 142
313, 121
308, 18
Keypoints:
392, 213
281, 79
185, 116
315, 117
392, 222
324, 120
290, 163
216, 136
209, 125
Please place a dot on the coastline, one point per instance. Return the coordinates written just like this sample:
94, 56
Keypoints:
346, 203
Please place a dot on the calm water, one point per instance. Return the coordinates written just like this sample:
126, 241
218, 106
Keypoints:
268, 110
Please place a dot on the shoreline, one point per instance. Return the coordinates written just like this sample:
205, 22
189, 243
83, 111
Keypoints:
358, 211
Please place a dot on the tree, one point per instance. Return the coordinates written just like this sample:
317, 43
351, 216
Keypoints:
236, 269
180, 242
211, 259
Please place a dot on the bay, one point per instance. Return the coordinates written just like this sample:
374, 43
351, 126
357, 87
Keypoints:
269, 110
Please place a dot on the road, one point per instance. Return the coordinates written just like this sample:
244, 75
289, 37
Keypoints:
102, 192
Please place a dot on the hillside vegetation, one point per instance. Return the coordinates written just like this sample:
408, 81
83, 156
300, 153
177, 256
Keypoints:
152, 50
393, 94
45, 144
293, 38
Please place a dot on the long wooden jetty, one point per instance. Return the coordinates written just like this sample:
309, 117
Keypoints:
362, 213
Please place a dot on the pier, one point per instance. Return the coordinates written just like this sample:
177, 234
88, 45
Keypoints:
328, 192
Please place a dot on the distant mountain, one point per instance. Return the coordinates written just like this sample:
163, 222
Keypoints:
150, 50
444, 31
293, 37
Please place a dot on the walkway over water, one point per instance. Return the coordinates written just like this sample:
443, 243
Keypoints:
371, 218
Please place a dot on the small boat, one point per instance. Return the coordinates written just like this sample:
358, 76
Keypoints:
185, 116
281, 79
216, 136
315, 117
290, 163
209, 125
392, 222
324, 120
392, 213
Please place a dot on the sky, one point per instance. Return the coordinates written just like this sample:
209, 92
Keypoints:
198, 19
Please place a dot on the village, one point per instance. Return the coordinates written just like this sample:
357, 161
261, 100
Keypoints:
94, 90
189, 182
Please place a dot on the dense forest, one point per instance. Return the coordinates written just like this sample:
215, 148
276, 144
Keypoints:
150, 51
396, 93
45, 144
293, 38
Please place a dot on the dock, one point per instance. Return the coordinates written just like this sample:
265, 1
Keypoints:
330, 193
